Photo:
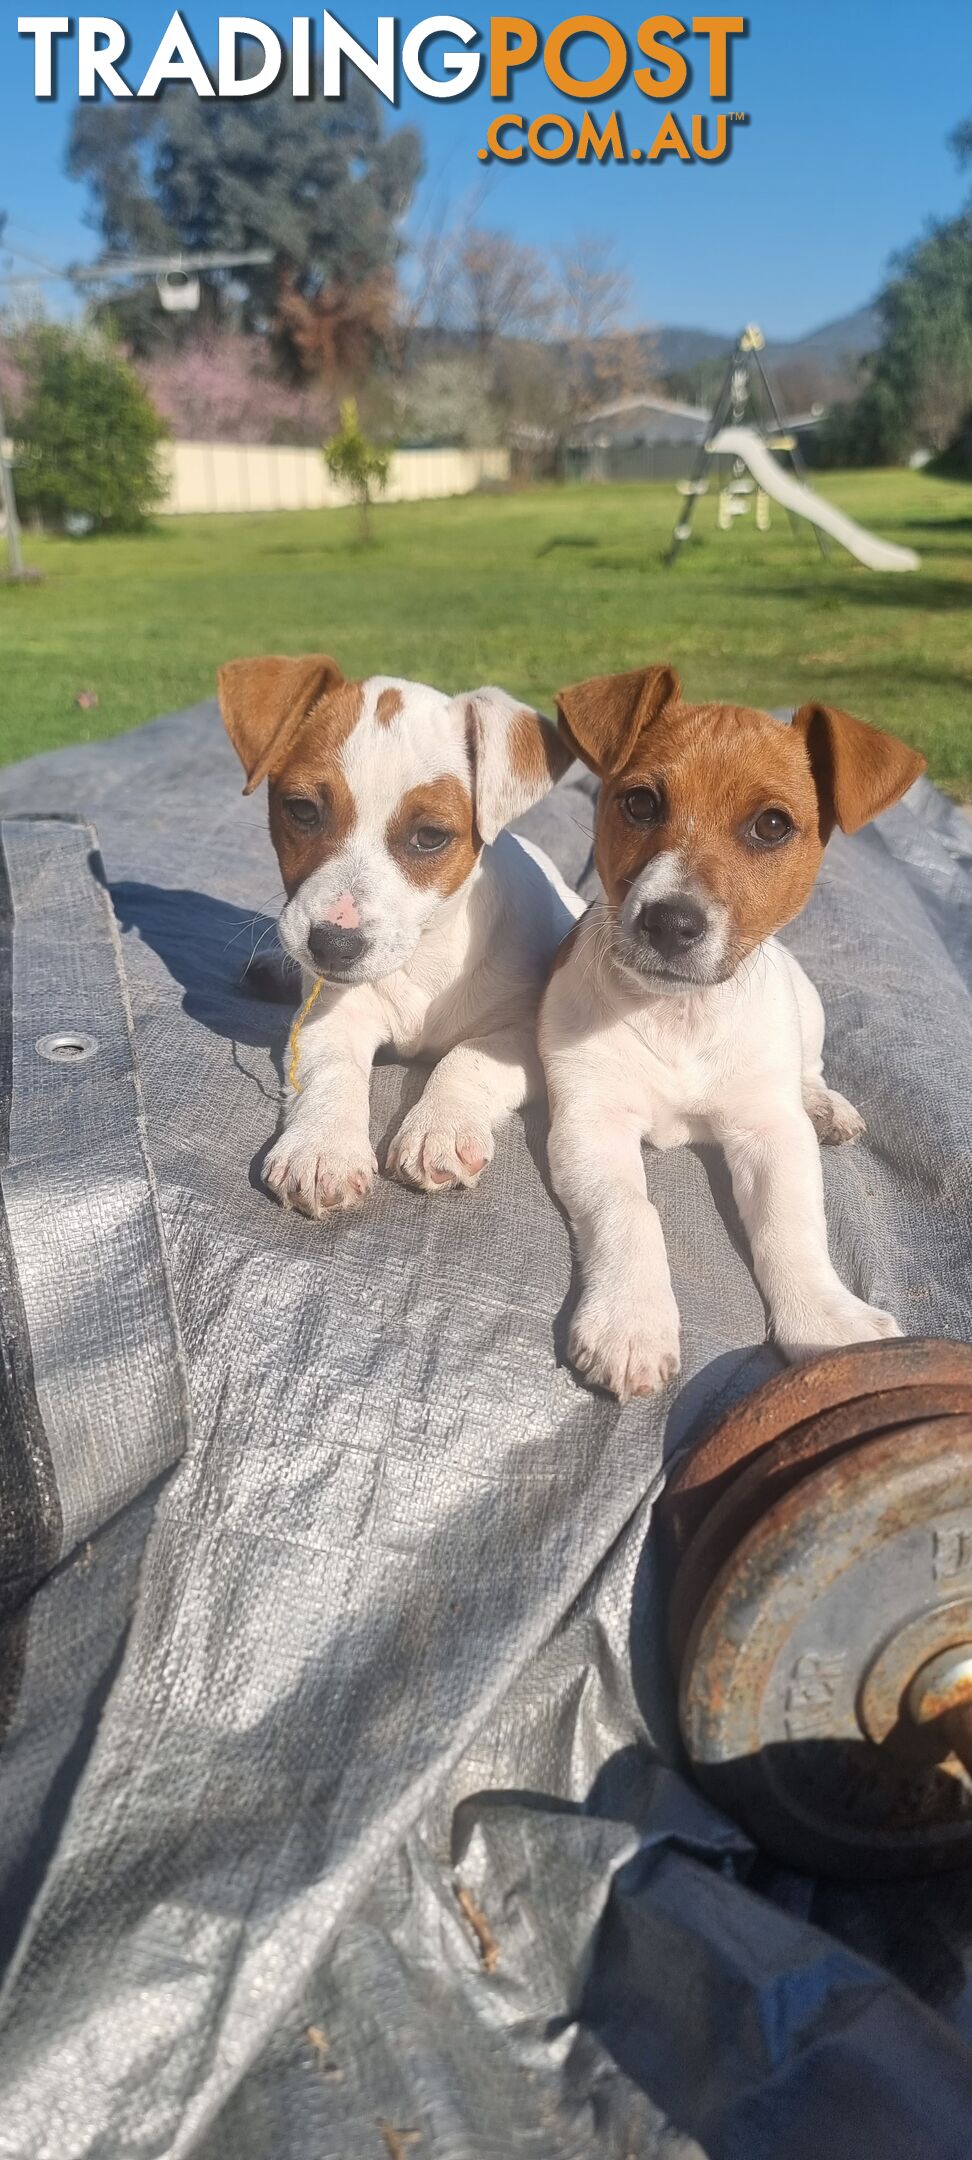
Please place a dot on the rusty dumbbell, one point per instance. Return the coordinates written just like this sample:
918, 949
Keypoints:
819, 1547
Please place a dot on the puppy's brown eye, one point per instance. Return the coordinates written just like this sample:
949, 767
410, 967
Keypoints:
302, 811
770, 828
642, 805
429, 840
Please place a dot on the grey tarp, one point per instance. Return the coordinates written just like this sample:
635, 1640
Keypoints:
392, 1621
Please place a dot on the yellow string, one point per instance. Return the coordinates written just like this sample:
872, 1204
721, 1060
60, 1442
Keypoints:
295, 1033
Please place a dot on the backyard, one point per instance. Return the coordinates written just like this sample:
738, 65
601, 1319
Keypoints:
528, 589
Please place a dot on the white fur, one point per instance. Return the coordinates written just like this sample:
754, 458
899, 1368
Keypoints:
739, 1062
662, 878
380, 764
456, 979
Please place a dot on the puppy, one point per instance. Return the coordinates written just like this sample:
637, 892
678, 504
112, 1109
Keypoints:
673, 1015
416, 921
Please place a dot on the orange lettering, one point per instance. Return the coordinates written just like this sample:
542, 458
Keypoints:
536, 141
718, 29
670, 137
609, 139
494, 137
504, 56
591, 26
674, 80
721, 135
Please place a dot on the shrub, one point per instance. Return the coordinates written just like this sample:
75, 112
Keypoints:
221, 389
87, 436
956, 460
866, 430
356, 463
447, 400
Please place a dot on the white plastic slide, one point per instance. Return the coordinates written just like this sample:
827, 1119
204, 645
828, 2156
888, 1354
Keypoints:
744, 443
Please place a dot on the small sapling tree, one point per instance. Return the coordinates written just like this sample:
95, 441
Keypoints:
357, 464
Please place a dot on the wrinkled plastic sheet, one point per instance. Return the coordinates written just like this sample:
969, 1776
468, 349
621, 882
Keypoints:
329, 1590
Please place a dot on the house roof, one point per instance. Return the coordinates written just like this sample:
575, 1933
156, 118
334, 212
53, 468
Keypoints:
651, 401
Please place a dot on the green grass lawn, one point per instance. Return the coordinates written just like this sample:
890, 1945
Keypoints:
530, 590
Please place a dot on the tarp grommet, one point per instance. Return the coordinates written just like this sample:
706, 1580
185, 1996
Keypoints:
70, 1046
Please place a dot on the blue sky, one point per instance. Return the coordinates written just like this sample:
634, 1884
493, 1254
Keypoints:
843, 161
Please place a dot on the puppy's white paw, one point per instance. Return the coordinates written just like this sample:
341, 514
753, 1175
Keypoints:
830, 1323
834, 1119
317, 1173
628, 1349
437, 1152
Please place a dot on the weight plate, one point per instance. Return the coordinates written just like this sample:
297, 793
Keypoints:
882, 1702
792, 1398
756, 1484
874, 1542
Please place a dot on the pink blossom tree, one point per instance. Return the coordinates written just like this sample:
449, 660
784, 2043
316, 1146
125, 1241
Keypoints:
219, 389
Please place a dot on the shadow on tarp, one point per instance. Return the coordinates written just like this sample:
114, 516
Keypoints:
238, 984
223, 957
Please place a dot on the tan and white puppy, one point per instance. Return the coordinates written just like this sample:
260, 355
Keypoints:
432, 929
674, 1016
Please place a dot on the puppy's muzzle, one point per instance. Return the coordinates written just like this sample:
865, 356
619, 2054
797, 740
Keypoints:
333, 949
671, 927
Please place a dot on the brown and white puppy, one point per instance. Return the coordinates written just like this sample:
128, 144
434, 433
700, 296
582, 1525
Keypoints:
673, 1015
430, 928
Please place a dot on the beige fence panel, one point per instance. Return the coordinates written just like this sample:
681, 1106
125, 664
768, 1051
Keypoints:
227, 477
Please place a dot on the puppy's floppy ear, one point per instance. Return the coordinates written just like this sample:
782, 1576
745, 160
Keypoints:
602, 719
516, 756
261, 700
858, 770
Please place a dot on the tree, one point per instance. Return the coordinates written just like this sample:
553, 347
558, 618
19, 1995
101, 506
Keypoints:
957, 459
604, 360
87, 437
547, 340
356, 463
500, 288
920, 388
532, 405
337, 331
921, 380
960, 141
321, 184
221, 389
447, 400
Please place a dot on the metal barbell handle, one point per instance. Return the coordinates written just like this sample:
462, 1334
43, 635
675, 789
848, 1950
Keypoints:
942, 1689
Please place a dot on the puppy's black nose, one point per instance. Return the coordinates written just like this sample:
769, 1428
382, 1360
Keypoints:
671, 926
335, 949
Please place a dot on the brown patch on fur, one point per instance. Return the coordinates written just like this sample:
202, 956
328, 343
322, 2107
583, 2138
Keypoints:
263, 701
312, 768
716, 767
601, 720
389, 703
859, 771
515, 755
447, 803
536, 753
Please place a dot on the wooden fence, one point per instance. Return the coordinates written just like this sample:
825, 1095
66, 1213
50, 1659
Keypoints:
242, 476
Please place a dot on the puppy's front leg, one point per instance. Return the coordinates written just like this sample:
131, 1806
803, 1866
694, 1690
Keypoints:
778, 1186
625, 1331
324, 1159
446, 1139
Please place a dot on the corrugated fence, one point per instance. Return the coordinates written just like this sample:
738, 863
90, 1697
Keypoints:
243, 476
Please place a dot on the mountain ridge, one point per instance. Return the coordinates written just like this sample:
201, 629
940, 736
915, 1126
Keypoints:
832, 344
